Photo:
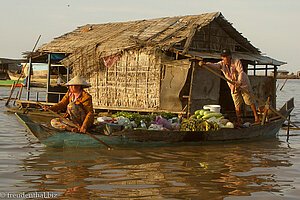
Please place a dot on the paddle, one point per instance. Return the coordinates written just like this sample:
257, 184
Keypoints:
69, 122
273, 110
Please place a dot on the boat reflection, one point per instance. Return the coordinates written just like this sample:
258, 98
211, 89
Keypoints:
209, 172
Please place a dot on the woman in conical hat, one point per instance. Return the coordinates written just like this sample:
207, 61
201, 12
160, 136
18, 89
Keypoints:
78, 104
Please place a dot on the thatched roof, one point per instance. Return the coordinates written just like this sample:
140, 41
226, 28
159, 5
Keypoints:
163, 33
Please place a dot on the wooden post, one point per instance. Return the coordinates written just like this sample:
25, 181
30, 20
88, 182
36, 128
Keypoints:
29, 78
275, 89
267, 107
147, 81
191, 88
136, 78
68, 74
288, 129
20, 92
11, 92
16, 98
48, 76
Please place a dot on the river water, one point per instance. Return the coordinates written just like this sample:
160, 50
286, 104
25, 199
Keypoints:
267, 169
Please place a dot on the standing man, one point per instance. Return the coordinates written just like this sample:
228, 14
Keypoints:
233, 70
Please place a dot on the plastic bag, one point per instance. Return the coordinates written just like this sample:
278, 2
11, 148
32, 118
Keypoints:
155, 127
124, 122
104, 119
161, 121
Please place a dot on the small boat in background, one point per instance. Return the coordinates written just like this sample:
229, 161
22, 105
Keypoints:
15, 76
53, 138
8, 83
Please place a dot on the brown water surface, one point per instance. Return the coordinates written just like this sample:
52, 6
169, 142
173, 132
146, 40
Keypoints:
266, 169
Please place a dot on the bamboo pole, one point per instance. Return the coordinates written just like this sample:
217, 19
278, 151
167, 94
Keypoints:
4, 99
73, 124
16, 97
260, 101
283, 84
20, 93
288, 131
190, 91
11, 92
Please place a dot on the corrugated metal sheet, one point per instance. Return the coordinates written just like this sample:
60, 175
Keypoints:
259, 59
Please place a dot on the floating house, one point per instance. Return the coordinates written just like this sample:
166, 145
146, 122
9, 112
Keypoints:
152, 65
283, 72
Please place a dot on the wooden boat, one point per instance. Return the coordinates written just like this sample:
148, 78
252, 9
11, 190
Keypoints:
15, 76
50, 137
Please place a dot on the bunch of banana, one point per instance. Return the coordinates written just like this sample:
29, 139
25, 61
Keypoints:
214, 126
198, 125
188, 125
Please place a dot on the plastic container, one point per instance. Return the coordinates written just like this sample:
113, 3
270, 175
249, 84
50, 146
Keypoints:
213, 108
103, 119
143, 125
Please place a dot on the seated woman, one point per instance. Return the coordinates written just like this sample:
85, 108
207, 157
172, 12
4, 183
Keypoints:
78, 104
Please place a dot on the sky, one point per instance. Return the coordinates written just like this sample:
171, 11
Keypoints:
270, 25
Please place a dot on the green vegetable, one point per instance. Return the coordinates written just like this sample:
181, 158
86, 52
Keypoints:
202, 111
194, 116
212, 114
206, 112
197, 112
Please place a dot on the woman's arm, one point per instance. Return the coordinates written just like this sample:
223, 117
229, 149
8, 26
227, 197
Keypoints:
62, 104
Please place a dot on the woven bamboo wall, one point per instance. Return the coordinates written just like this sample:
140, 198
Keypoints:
133, 82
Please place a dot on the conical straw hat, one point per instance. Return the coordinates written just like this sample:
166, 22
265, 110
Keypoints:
77, 80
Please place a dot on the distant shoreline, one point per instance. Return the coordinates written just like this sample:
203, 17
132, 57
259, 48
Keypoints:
287, 77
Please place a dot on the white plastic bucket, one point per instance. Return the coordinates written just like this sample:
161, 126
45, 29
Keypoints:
213, 108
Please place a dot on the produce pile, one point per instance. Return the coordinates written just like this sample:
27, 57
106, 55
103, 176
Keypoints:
198, 125
205, 120
206, 114
202, 120
131, 120
138, 119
